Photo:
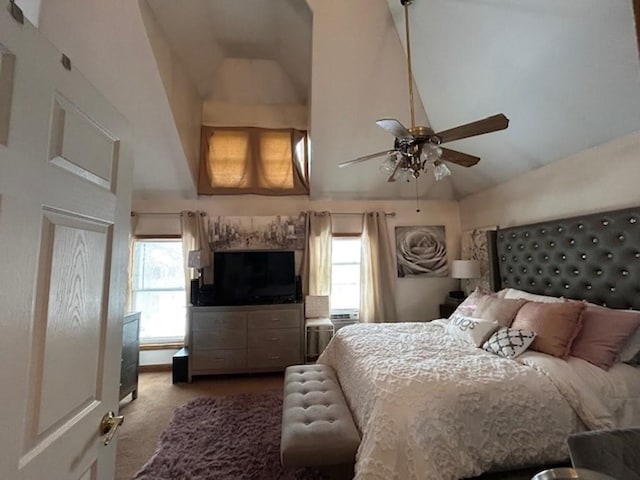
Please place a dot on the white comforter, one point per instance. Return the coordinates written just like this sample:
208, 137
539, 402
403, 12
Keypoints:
430, 406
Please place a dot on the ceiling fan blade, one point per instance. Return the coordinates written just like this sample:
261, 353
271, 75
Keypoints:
459, 158
395, 128
479, 127
365, 158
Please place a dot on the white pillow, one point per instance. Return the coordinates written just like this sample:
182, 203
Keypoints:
631, 347
472, 330
532, 297
509, 342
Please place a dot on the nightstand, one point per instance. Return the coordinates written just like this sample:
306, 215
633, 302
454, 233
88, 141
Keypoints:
446, 310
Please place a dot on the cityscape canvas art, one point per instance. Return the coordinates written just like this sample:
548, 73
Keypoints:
257, 233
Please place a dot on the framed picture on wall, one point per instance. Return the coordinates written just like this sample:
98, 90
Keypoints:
421, 251
475, 247
257, 233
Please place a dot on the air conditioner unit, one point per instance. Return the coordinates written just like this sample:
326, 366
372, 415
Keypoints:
345, 315
342, 318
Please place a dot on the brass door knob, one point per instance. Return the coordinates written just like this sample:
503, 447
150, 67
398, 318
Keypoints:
109, 424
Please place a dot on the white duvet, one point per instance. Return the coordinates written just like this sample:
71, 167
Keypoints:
433, 407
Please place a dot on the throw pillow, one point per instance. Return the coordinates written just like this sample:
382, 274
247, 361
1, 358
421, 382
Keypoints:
499, 310
469, 305
509, 342
472, 330
631, 347
532, 297
603, 334
555, 325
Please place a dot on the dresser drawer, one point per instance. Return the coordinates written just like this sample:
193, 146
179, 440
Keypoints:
275, 338
218, 360
273, 319
223, 338
215, 321
266, 358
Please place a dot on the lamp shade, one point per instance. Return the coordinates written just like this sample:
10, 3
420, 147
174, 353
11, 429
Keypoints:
465, 269
195, 259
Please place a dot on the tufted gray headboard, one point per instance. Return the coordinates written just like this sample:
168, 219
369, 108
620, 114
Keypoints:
593, 257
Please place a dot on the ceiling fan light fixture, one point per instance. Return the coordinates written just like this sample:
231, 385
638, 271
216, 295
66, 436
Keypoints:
389, 164
440, 170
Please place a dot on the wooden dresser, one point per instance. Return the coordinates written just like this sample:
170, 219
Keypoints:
245, 339
130, 352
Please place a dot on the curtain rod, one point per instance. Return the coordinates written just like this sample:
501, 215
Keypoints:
388, 214
177, 214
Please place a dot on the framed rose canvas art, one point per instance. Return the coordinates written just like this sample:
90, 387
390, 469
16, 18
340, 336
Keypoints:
421, 250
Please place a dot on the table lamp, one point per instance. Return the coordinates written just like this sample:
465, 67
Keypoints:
464, 270
195, 261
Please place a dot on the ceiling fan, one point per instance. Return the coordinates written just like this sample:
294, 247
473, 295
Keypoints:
418, 148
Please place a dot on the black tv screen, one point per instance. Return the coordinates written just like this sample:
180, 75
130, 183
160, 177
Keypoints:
254, 277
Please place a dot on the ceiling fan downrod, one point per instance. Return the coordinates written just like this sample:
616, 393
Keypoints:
406, 4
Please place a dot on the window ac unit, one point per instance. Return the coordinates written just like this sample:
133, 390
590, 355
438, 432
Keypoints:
345, 315
342, 318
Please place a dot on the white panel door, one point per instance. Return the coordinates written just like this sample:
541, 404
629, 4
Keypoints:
65, 193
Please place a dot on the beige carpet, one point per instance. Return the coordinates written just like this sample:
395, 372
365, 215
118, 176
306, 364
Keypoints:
148, 415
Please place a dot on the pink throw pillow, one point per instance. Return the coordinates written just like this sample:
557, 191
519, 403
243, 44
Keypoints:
603, 334
499, 310
555, 325
469, 305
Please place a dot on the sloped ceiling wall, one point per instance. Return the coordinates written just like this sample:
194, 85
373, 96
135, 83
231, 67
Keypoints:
567, 74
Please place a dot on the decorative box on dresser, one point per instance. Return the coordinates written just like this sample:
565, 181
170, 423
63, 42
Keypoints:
244, 339
130, 355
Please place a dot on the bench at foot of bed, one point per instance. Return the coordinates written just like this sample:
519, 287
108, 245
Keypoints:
317, 427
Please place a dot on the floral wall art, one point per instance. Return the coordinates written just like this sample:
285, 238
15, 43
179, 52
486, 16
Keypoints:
421, 250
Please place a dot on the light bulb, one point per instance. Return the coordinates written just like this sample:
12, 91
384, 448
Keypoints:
440, 170
388, 166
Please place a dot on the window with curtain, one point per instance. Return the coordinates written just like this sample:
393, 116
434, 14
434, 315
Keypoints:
345, 273
253, 160
158, 290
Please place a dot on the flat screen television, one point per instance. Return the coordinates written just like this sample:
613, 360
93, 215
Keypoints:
254, 277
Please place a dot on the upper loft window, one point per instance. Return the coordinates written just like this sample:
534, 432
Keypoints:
253, 160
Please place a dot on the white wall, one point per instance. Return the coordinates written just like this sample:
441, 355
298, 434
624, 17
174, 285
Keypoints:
184, 99
254, 93
603, 178
417, 299
108, 43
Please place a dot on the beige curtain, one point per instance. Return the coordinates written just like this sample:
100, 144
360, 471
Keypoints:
316, 260
263, 161
194, 237
132, 244
377, 275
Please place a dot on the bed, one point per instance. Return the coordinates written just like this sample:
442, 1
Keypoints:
430, 404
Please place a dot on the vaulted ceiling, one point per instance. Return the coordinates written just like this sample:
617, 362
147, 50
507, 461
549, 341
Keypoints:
567, 74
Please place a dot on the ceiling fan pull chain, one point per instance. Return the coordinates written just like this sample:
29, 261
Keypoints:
417, 200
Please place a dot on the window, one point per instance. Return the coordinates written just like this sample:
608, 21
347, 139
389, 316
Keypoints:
158, 290
253, 160
345, 273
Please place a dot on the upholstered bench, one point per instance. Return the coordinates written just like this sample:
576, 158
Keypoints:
317, 427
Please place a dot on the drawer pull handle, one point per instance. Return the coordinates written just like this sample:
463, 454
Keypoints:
275, 339
275, 357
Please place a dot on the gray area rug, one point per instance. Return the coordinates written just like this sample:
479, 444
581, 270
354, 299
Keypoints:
234, 437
